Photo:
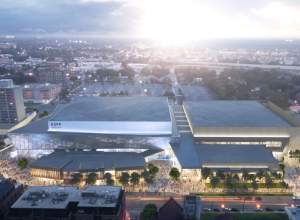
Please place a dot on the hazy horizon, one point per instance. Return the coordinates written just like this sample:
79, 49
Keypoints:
171, 22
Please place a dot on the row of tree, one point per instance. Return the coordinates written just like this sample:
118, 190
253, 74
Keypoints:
231, 181
125, 178
258, 84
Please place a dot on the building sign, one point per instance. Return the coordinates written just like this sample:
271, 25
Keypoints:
55, 124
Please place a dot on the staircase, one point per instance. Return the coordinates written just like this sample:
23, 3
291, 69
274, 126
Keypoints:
181, 120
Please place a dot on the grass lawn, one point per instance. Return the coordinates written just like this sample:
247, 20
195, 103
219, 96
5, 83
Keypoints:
248, 216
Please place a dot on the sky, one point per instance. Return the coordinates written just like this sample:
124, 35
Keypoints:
162, 20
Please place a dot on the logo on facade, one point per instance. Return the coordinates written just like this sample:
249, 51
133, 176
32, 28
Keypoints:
55, 124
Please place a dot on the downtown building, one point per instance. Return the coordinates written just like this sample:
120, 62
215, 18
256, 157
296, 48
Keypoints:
115, 134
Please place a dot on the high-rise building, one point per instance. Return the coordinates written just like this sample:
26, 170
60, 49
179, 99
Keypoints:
12, 108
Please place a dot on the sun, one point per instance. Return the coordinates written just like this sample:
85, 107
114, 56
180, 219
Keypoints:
177, 22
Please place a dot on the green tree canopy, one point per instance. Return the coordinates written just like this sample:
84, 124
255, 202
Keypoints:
205, 172
228, 182
246, 175
108, 179
269, 182
260, 174
149, 211
220, 174
22, 163
174, 174
254, 185
147, 177
153, 170
91, 178
76, 178
135, 178
124, 178
214, 181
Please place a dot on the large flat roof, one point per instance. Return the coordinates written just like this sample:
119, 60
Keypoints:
75, 161
57, 197
191, 155
235, 154
232, 114
135, 108
109, 110
46, 197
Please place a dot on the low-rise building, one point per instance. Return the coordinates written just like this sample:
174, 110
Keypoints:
61, 165
192, 207
9, 193
293, 213
66, 203
41, 93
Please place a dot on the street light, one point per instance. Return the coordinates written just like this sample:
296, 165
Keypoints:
258, 206
223, 206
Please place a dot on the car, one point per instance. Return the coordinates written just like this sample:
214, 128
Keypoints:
269, 209
207, 209
216, 210
234, 210
259, 210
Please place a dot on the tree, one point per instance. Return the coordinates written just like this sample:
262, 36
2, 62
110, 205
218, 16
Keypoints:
284, 185
246, 175
43, 114
110, 182
92, 178
147, 177
108, 179
236, 178
220, 174
153, 170
174, 174
124, 178
254, 185
205, 172
228, 182
149, 211
76, 178
260, 174
135, 178
214, 181
269, 182
277, 175
22, 163
169, 93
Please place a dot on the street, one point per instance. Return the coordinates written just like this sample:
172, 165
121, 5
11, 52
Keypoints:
136, 202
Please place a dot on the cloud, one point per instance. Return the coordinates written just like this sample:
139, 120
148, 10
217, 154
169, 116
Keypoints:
261, 18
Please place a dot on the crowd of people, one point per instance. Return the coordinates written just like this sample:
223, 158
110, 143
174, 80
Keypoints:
10, 170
